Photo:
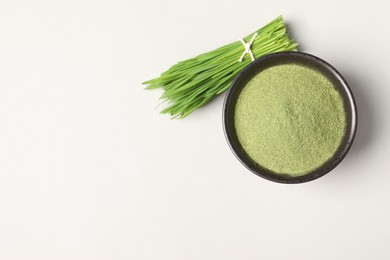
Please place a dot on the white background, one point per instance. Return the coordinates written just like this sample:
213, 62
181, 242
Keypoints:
90, 170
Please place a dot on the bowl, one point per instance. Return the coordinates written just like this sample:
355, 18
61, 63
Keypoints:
307, 60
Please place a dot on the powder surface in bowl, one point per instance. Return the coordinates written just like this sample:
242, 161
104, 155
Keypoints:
290, 119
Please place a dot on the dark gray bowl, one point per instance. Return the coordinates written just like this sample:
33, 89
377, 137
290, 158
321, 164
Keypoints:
282, 58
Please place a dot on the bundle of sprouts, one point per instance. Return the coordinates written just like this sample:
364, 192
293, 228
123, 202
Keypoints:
192, 83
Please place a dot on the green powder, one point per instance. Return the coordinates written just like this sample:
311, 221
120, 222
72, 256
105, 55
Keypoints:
290, 119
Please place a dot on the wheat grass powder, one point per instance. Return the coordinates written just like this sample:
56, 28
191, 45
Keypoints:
290, 119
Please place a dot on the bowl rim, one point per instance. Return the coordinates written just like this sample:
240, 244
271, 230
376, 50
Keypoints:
344, 91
